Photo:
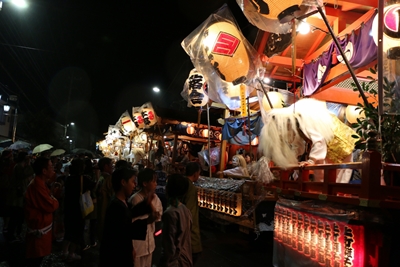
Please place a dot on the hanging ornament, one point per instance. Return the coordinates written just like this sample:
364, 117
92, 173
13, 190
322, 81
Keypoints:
225, 49
276, 99
197, 89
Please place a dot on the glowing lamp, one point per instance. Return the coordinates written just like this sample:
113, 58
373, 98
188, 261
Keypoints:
254, 142
224, 47
138, 120
276, 101
204, 133
127, 124
197, 89
391, 31
353, 113
190, 130
149, 116
278, 9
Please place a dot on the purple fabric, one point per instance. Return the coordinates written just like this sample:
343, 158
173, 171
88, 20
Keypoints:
360, 52
364, 49
315, 73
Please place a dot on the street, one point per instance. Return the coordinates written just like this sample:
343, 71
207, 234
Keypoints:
223, 246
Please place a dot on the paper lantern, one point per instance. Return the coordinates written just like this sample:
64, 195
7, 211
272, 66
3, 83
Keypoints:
149, 116
190, 130
224, 47
354, 112
254, 142
276, 101
127, 124
230, 95
204, 133
278, 9
197, 89
138, 120
391, 31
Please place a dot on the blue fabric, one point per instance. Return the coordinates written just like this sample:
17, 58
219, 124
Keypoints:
233, 130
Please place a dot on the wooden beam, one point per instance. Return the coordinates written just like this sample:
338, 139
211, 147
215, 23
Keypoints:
340, 95
285, 78
350, 6
368, 3
348, 30
340, 73
283, 61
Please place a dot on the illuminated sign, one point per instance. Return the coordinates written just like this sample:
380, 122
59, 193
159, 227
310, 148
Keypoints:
323, 241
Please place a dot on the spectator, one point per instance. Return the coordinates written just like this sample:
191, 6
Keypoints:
73, 221
91, 218
147, 181
177, 222
161, 182
104, 192
190, 201
116, 248
22, 175
39, 207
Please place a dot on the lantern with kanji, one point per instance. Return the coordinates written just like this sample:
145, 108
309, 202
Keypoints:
138, 120
197, 89
224, 47
276, 99
283, 10
149, 116
391, 31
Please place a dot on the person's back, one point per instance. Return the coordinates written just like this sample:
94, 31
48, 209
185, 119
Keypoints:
177, 224
191, 202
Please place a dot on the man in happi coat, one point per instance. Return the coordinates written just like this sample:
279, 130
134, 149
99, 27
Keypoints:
39, 207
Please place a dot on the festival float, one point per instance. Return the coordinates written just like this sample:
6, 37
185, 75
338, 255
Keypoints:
332, 206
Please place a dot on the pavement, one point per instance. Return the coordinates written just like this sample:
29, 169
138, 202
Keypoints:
223, 246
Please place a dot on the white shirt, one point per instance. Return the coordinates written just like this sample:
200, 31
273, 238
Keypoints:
146, 247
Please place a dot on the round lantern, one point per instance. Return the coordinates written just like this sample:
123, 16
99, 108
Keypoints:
190, 130
138, 120
127, 124
354, 112
197, 89
204, 133
276, 99
230, 95
225, 49
278, 9
254, 142
149, 116
391, 31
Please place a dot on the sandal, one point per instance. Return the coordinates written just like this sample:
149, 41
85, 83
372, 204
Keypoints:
86, 248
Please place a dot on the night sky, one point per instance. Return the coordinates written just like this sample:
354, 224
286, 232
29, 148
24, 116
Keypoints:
89, 61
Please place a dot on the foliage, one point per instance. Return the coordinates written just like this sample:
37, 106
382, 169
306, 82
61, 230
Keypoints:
389, 123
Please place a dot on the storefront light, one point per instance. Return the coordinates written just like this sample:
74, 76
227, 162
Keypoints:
353, 113
276, 100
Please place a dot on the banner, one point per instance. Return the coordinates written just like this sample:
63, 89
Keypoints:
359, 48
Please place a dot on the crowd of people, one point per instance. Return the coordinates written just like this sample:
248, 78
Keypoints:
40, 204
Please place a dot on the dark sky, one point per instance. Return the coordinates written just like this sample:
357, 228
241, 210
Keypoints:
89, 61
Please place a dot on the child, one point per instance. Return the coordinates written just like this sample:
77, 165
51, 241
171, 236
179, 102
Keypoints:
147, 181
177, 224
119, 229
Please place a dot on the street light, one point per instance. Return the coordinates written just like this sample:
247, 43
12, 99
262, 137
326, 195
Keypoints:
156, 89
20, 3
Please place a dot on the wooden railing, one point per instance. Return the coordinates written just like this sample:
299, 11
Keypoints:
369, 193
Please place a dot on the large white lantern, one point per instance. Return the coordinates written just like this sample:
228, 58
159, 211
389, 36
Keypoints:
138, 120
226, 51
353, 113
277, 9
276, 99
149, 116
197, 89
391, 31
